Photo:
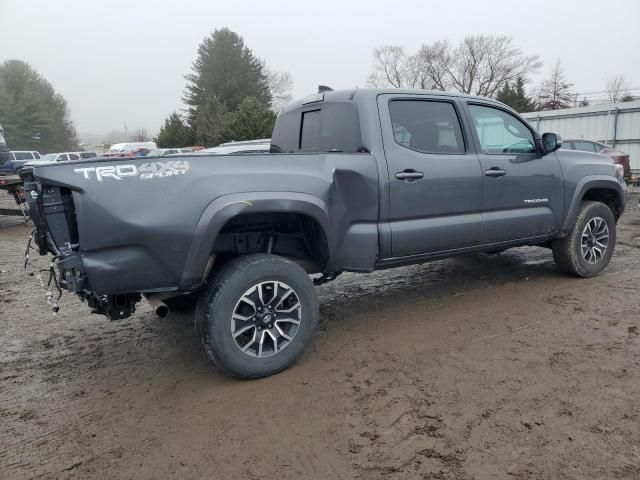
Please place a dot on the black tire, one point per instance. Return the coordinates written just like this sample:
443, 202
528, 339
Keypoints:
219, 301
181, 303
567, 251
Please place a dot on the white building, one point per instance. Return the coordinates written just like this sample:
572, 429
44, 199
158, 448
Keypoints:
616, 124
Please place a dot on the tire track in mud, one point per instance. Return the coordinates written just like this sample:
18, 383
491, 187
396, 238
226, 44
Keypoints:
397, 431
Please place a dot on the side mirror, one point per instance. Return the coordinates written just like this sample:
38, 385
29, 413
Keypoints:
551, 142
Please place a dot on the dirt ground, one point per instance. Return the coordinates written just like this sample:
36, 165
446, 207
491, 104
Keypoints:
482, 367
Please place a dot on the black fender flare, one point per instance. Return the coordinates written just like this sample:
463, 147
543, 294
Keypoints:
584, 185
223, 208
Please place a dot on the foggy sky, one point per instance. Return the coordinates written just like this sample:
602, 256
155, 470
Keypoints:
122, 61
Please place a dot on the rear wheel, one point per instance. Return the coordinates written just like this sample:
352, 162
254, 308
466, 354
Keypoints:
588, 248
257, 315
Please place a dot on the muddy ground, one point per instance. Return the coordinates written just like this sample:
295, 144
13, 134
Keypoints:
482, 367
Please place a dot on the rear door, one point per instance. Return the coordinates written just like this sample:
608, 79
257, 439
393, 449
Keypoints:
434, 176
523, 193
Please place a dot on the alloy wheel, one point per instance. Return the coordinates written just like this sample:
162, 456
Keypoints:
266, 319
594, 240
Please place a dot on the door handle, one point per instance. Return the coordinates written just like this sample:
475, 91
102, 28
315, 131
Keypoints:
409, 175
495, 172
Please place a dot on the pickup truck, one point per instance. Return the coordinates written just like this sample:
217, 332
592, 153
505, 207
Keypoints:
356, 180
16, 160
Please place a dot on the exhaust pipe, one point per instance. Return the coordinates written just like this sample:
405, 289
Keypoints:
159, 307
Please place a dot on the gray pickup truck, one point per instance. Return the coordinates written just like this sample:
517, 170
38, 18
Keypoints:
356, 180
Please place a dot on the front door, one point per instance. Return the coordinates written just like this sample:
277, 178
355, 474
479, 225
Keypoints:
523, 194
434, 176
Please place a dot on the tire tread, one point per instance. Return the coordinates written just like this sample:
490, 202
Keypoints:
565, 248
206, 307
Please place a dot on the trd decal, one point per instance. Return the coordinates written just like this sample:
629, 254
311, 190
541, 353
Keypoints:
143, 172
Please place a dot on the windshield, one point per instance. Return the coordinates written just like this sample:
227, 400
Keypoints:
155, 153
50, 157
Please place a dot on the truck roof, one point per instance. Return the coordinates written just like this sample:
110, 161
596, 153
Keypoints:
350, 94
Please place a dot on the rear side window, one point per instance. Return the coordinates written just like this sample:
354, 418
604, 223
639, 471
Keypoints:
332, 126
310, 130
426, 126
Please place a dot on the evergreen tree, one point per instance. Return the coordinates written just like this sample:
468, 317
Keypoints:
229, 92
504, 94
211, 122
225, 68
253, 119
174, 133
33, 115
515, 97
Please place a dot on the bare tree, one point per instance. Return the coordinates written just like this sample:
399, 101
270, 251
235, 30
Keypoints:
390, 67
430, 66
280, 84
555, 93
617, 88
479, 65
140, 135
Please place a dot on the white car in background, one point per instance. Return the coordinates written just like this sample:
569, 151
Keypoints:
163, 152
250, 146
58, 157
61, 157
128, 149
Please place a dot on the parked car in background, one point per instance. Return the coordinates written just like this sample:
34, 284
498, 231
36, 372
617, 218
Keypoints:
16, 160
128, 149
617, 156
250, 146
61, 157
163, 152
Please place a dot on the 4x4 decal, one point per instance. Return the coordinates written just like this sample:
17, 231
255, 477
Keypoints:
143, 172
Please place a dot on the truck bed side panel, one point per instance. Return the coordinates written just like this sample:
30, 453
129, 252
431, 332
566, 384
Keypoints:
142, 231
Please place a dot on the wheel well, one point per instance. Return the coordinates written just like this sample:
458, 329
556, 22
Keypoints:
296, 236
607, 196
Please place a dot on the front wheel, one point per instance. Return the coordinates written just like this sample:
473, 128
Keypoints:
587, 249
257, 315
